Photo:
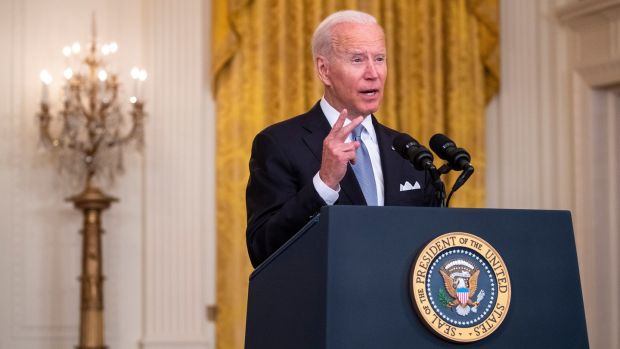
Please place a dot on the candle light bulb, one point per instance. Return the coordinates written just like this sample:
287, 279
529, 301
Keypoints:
46, 77
133, 99
143, 75
75, 48
103, 75
135, 73
105, 49
66, 51
68, 73
113, 47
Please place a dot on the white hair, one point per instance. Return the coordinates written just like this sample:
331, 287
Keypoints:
322, 37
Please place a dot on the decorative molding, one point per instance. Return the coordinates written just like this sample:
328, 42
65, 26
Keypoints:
585, 13
595, 33
604, 75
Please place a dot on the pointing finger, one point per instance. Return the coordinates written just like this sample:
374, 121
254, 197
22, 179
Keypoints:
340, 121
346, 130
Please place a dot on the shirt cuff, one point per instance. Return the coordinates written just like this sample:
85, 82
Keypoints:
328, 194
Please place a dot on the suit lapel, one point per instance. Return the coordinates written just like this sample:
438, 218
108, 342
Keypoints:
391, 162
351, 188
319, 128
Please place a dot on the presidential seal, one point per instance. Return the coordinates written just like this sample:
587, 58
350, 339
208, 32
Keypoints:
460, 287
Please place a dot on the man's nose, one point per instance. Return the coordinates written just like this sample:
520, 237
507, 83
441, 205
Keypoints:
371, 71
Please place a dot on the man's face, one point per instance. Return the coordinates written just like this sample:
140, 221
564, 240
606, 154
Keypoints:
354, 74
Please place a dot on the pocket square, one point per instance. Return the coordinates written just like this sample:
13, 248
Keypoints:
407, 186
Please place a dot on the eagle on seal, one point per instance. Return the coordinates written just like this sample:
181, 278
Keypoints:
460, 288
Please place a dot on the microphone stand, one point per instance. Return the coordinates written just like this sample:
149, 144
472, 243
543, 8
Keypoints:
465, 174
440, 187
460, 181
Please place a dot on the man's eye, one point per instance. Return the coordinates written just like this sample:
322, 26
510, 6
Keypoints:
357, 60
380, 59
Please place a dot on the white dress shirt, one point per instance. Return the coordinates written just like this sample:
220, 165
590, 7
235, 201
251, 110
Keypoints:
369, 137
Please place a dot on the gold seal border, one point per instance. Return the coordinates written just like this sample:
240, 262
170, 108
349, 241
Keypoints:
420, 297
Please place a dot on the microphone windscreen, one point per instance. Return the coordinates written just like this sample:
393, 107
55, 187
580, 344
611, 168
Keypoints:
439, 144
400, 143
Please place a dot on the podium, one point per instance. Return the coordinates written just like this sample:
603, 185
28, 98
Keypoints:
344, 280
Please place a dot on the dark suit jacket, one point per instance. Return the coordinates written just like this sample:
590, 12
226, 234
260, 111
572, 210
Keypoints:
280, 196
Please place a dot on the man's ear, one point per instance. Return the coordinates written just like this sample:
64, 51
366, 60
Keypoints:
322, 69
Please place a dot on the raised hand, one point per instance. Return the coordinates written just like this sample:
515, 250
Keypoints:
336, 153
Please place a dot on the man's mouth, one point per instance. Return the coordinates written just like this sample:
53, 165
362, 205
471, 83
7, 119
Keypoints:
370, 92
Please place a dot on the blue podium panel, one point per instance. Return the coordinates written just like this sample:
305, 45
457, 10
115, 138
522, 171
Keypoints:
344, 280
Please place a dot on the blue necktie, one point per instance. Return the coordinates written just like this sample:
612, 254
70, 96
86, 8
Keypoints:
363, 169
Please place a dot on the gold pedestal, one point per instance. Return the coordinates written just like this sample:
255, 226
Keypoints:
91, 202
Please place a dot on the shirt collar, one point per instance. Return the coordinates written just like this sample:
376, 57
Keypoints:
332, 115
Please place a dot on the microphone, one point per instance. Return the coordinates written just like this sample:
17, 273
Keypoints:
417, 154
422, 160
458, 158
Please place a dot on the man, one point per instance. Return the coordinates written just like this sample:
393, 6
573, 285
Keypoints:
309, 161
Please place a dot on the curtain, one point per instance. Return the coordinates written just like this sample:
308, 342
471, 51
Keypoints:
443, 66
